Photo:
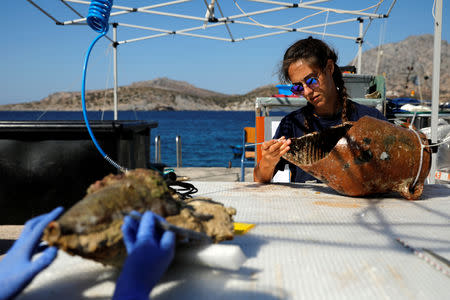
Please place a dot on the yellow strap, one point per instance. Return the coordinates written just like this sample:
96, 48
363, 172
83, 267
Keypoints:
242, 228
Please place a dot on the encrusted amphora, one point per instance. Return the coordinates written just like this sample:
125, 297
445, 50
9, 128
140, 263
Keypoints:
369, 156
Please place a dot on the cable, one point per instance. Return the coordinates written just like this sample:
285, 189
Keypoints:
97, 19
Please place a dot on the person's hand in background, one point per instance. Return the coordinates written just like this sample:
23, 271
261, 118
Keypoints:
271, 152
17, 269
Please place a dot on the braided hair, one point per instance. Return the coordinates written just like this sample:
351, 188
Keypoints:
316, 53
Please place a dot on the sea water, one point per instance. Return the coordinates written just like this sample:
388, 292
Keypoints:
206, 136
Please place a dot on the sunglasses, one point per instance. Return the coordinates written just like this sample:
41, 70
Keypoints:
299, 89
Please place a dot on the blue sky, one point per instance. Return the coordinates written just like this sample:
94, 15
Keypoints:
39, 58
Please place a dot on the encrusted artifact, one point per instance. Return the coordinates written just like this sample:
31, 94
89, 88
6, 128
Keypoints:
91, 228
369, 156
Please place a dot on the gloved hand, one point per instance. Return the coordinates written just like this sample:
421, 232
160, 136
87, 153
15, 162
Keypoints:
150, 251
17, 268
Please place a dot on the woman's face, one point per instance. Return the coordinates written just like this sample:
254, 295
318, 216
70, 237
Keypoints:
324, 96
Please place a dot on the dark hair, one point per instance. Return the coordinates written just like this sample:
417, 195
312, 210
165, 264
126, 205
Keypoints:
316, 53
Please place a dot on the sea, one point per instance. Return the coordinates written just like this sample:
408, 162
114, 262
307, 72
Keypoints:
206, 137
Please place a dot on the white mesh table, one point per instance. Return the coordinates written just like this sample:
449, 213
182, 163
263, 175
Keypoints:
308, 243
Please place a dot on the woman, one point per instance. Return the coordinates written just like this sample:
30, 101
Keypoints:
310, 66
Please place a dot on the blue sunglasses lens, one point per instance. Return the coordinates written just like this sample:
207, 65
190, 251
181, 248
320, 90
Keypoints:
312, 82
297, 89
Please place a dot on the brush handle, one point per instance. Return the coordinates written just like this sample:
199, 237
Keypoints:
183, 232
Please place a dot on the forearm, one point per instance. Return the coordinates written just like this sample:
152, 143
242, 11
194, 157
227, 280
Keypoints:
263, 172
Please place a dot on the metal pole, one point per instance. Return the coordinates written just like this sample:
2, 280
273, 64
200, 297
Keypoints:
244, 135
436, 79
157, 149
115, 68
178, 142
360, 42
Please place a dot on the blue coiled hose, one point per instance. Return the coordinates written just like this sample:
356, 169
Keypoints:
97, 19
98, 16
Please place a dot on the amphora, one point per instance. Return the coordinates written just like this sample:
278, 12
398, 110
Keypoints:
369, 156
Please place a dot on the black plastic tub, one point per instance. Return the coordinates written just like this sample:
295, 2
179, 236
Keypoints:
44, 164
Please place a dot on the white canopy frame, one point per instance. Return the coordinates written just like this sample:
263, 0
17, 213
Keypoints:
435, 83
207, 20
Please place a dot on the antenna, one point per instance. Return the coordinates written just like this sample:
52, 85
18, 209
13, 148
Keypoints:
410, 69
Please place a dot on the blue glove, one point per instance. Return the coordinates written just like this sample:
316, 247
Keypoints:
150, 251
17, 268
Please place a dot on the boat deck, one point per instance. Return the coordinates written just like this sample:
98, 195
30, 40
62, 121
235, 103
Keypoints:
308, 243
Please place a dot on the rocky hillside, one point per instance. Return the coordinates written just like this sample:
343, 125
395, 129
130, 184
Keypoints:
407, 64
157, 94
404, 64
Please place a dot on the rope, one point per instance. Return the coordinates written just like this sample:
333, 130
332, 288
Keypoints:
422, 147
433, 10
441, 143
325, 27
421, 255
107, 52
377, 5
266, 25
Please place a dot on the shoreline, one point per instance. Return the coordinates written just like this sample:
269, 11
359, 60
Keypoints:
120, 110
